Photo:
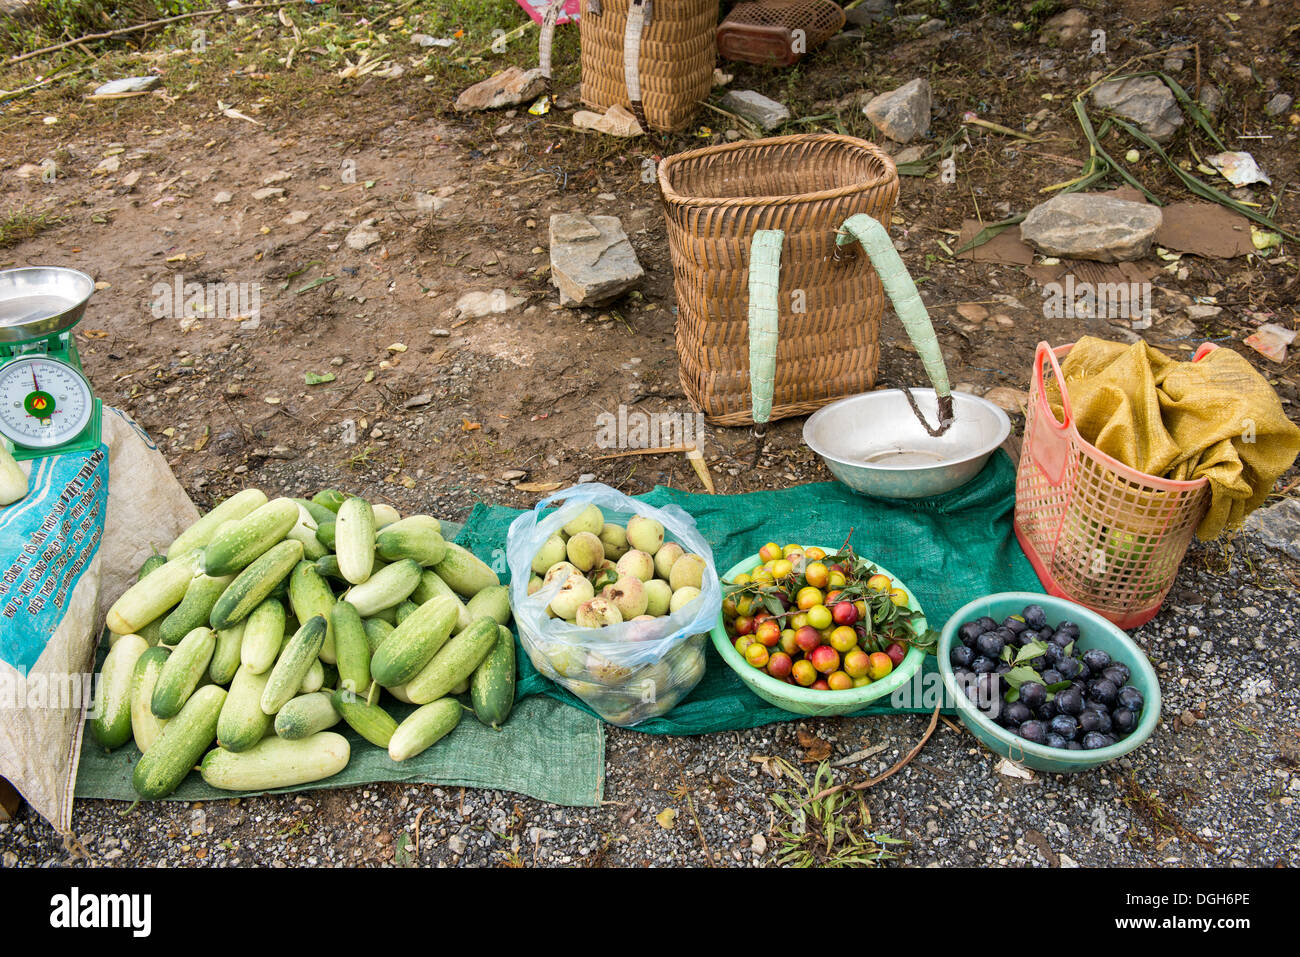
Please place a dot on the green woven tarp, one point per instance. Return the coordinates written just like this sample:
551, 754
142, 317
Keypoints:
547, 750
948, 549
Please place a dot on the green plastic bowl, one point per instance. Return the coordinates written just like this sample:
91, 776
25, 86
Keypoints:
1094, 632
800, 700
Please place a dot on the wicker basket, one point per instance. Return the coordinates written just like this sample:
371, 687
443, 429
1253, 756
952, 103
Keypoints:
777, 32
831, 303
668, 66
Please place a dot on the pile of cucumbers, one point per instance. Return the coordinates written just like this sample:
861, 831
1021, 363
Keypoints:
269, 621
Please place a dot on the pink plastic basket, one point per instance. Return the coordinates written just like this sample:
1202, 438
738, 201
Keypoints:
1096, 531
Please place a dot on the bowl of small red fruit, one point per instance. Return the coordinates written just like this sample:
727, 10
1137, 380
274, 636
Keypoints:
819, 631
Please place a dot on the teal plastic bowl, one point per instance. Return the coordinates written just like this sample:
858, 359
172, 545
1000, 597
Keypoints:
1094, 632
800, 700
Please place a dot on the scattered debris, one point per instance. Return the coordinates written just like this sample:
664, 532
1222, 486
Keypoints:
475, 305
904, 113
1270, 340
1278, 104
1239, 169
616, 121
1145, 100
1092, 226
755, 107
592, 260
1204, 229
1065, 27
510, 87
222, 198
1007, 247
424, 40
1008, 399
1008, 768
362, 236
127, 86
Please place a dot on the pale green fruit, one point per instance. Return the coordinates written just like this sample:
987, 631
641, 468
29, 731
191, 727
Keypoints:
683, 597
659, 594
585, 551
566, 660
614, 538
551, 552
575, 590
597, 613
644, 534
628, 595
534, 583
589, 520
560, 570
605, 671
668, 553
688, 571
638, 564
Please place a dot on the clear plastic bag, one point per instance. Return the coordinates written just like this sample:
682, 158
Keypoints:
626, 672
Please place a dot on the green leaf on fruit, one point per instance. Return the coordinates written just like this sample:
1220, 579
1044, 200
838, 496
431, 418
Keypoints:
1059, 686
1030, 651
1006, 654
1018, 676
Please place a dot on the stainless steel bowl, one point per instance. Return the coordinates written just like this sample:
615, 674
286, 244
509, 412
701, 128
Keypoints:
875, 445
40, 301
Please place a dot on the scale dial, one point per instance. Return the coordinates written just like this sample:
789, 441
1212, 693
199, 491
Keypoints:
44, 403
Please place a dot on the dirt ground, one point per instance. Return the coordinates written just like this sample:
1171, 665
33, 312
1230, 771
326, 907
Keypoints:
443, 405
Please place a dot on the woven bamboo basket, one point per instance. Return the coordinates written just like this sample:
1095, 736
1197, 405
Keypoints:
660, 69
831, 303
777, 32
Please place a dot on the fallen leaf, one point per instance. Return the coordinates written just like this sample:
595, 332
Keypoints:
316, 378
815, 749
1011, 769
857, 756
202, 440
467, 426
538, 486
370, 376
94, 333
667, 818
397, 347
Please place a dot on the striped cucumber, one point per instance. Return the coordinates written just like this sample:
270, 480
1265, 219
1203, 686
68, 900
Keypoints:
431, 586
325, 533
182, 672
234, 549
454, 663
145, 725
182, 742
492, 687
351, 647
243, 723
263, 636
309, 596
195, 608
368, 720
277, 763
255, 584
465, 572
305, 715
111, 724
414, 642
386, 588
493, 602
152, 596
305, 531
418, 537
198, 535
295, 661
376, 631
423, 728
228, 654
354, 540
403, 610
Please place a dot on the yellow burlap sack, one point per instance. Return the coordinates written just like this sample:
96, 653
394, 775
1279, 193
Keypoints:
1216, 419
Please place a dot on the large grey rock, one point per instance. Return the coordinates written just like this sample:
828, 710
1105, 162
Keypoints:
592, 261
755, 107
903, 113
870, 11
1065, 27
510, 87
1092, 226
362, 236
1277, 526
1146, 101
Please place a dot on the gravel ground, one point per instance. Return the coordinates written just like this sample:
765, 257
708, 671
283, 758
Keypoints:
1217, 785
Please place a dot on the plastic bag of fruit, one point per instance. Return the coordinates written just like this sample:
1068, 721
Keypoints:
613, 599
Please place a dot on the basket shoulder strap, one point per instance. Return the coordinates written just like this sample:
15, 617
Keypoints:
638, 18
764, 315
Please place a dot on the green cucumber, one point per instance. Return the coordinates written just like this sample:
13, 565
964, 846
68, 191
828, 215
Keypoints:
376, 631
255, 584
431, 586
305, 715
386, 588
182, 742
328, 567
198, 535
182, 672
145, 725
296, 659
403, 610
243, 723
314, 680
325, 534
234, 549
228, 654
329, 498
493, 601
351, 647
318, 513
385, 515
305, 531
111, 724
492, 687
152, 596
465, 572
414, 642
263, 636
354, 540
195, 608
151, 564
417, 537
423, 727
368, 720
309, 596
277, 763
454, 663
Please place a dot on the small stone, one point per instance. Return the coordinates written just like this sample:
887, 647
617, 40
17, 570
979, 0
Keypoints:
222, 198
1277, 527
731, 135
1197, 311
1211, 100
870, 11
440, 333
415, 401
510, 87
1008, 399
586, 477
765, 113
279, 176
1278, 105
1146, 101
1188, 718
904, 113
931, 27
296, 217
909, 154
1066, 27
130, 84
592, 260
972, 311
1003, 320
362, 236
758, 844
512, 475
110, 164
475, 305
268, 192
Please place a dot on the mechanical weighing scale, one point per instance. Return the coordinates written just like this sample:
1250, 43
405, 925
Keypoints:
46, 404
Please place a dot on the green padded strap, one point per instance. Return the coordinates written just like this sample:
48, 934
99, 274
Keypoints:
901, 291
764, 282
